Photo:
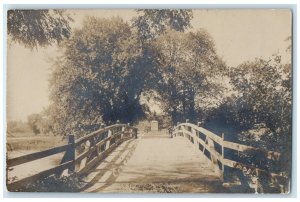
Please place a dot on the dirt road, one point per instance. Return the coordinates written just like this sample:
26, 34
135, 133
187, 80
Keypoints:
154, 165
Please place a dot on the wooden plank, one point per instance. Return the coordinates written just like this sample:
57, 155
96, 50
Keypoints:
21, 183
99, 132
211, 135
37, 155
231, 145
242, 148
91, 135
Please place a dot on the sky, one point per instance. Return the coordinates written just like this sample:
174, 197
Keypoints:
240, 35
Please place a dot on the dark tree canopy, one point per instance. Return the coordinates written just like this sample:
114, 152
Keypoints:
34, 28
152, 22
99, 77
105, 68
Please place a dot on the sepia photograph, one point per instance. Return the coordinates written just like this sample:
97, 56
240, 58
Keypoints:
145, 101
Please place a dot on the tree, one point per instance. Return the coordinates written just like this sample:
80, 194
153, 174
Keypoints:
188, 64
99, 77
34, 28
264, 96
153, 22
264, 88
33, 121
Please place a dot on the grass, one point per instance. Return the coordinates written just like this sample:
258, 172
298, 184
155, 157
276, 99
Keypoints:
29, 141
70, 183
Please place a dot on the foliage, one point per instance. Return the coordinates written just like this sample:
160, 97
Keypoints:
151, 23
71, 183
263, 96
39, 124
264, 93
34, 28
188, 64
33, 121
99, 77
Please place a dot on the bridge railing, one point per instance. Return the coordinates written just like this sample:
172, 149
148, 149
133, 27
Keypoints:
79, 155
213, 147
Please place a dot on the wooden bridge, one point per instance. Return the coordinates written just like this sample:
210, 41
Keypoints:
119, 159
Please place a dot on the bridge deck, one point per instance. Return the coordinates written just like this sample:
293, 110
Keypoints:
154, 165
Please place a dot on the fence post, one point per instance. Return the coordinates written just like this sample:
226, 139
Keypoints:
102, 125
123, 129
109, 133
72, 152
69, 156
135, 133
222, 145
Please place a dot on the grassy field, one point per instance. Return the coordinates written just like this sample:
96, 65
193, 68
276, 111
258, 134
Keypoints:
30, 142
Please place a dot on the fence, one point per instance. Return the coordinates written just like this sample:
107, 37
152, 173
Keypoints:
79, 155
214, 146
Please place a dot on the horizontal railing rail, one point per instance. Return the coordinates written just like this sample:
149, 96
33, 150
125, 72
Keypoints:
79, 155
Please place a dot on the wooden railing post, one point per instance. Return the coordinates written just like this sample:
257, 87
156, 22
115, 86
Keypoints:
135, 133
108, 142
128, 129
69, 156
123, 129
72, 152
222, 161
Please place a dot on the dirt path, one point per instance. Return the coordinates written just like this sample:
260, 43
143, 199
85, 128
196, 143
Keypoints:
154, 165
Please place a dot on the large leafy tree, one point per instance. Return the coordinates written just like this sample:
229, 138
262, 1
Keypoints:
264, 93
34, 28
99, 77
188, 65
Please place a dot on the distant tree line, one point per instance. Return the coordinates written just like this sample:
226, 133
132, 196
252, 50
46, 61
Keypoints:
36, 124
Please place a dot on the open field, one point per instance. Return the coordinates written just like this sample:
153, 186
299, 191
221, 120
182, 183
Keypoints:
28, 141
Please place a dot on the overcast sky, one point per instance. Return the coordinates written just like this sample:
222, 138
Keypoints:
239, 35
